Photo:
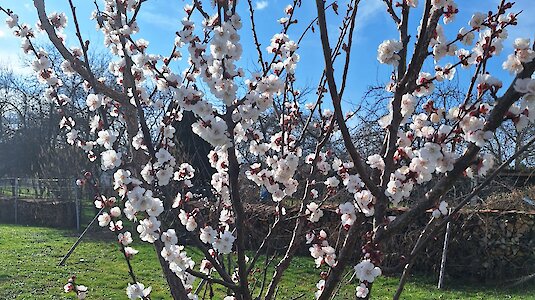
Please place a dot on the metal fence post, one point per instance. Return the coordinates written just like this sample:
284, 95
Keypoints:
76, 203
16, 198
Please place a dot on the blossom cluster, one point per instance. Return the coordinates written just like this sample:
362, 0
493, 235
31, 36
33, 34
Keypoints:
229, 111
78, 289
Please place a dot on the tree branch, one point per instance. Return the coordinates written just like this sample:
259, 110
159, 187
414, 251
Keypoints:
76, 64
444, 184
360, 165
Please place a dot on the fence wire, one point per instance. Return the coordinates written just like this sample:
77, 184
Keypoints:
44, 202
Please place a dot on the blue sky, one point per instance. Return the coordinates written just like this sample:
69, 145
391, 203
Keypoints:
160, 19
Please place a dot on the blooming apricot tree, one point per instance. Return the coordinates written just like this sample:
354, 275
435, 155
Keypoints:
426, 145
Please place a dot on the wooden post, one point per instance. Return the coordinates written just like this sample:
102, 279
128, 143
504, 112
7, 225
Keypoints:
444, 255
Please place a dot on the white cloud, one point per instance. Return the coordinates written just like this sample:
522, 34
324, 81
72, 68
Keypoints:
261, 5
13, 61
10, 53
369, 10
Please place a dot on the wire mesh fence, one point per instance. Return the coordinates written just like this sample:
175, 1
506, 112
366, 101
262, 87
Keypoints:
43, 202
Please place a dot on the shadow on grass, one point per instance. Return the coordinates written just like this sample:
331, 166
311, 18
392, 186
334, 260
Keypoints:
29, 258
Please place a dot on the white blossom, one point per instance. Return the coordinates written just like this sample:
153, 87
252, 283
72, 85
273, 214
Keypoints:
314, 212
367, 271
223, 244
387, 52
110, 159
137, 291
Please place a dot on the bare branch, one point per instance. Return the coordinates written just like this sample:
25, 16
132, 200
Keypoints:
390, 10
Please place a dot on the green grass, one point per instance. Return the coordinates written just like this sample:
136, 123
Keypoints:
22, 192
29, 258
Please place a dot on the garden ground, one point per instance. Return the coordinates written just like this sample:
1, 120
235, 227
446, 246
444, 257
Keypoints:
29, 269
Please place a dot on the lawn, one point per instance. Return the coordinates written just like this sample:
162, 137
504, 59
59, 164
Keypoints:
29, 258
